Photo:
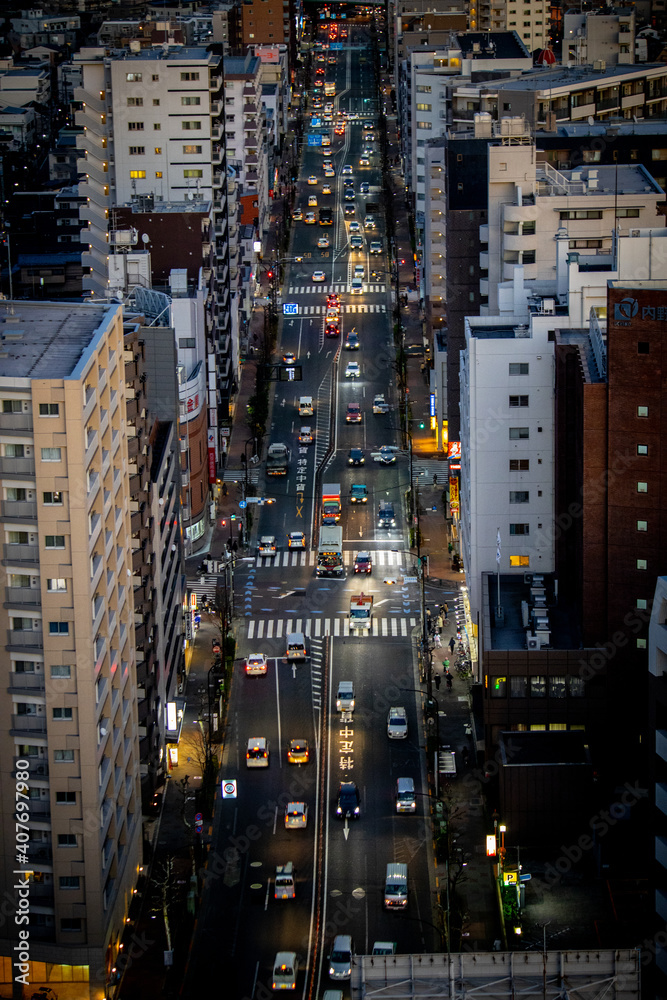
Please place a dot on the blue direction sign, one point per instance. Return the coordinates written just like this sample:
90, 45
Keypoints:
290, 308
315, 122
243, 504
335, 46
314, 140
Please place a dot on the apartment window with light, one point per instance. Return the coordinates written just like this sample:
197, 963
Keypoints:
133, 77
642, 411
52, 498
51, 454
641, 604
424, 107
642, 525
63, 756
191, 150
56, 583
642, 449
498, 687
158, 150
642, 487
642, 564
516, 561
193, 173
641, 643
137, 175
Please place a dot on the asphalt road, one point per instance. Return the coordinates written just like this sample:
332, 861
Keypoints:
240, 925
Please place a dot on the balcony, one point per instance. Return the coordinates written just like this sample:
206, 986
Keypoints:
39, 852
16, 422
25, 638
29, 724
25, 596
20, 683
607, 103
17, 467
20, 510
21, 553
216, 154
216, 109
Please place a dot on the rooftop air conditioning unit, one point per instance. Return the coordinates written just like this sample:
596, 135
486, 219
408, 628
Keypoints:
532, 642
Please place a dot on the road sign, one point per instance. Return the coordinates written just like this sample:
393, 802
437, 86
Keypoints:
290, 308
229, 789
410, 579
315, 122
243, 504
335, 46
199, 822
314, 140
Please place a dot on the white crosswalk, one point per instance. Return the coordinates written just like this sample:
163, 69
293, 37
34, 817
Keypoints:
380, 558
355, 307
330, 289
277, 629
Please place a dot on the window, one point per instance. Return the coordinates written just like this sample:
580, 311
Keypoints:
519, 561
642, 347
51, 454
575, 686
642, 487
498, 687
61, 670
627, 213
518, 687
519, 464
557, 687
642, 411
191, 150
137, 150
66, 798
528, 257
190, 76
642, 564
12, 406
186, 343
156, 102
158, 173
69, 881
52, 498
423, 89
519, 496
58, 628
16, 493
193, 173
641, 604
157, 126
502, 166
54, 541
135, 126
56, 583
518, 433
137, 175
189, 102
424, 107
581, 213
22, 624
641, 643
62, 713
519, 529
424, 125
642, 525
190, 126
518, 401
63, 756
135, 102
17, 537
66, 840
518, 367
14, 451
24, 666
538, 686
49, 409
642, 449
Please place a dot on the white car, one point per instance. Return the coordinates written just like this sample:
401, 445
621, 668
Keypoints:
306, 435
323, 243
353, 370
267, 545
312, 201
255, 663
296, 540
328, 106
285, 971
359, 271
364, 161
375, 247
355, 227
326, 189
319, 276
327, 152
296, 816
357, 286
347, 170
397, 723
312, 179
310, 218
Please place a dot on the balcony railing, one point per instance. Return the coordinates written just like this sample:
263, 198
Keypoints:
25, 638
21, 553
16, 422
29, 723
17, 466
19, 509
23, 595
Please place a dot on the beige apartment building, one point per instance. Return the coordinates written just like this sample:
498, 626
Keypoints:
70, 703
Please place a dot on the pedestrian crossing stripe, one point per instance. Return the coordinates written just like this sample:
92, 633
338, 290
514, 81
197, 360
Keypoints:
363, 308
338, 627
301, 558
323, 289
374, 307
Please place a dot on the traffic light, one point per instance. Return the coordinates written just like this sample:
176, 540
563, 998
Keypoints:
421, 428
223, 523
269, 275
232, 517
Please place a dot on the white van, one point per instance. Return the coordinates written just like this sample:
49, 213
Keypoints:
285, 971
306, 406
296, 646
405, 796
340, 959
396, 887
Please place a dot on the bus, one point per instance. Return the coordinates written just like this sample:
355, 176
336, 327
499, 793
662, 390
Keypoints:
329, 89
326, 217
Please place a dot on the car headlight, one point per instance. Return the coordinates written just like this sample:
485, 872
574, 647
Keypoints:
339, 810
356, 810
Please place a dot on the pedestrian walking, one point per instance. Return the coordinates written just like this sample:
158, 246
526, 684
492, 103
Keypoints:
437, 641
452, 644
445, 664
444, 609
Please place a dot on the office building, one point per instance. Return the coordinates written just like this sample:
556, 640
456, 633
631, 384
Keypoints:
69, 625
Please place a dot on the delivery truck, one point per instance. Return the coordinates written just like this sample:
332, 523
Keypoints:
331, 505
361, 612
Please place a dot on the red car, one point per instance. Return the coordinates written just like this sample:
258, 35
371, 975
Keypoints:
332, 330
353, 414
363, 563
333, 299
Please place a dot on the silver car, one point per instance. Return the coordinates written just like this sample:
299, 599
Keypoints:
397, 723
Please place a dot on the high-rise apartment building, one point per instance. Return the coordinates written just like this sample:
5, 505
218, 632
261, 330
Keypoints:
530, 20
69, 633
592, 35
245, 130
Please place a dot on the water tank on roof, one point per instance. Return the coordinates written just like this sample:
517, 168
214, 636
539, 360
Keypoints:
178, 281
483, 123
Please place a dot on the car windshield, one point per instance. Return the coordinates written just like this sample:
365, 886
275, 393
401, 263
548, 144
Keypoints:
284, 880
362, 560
358, 613
340, 956
284, 970
393, 890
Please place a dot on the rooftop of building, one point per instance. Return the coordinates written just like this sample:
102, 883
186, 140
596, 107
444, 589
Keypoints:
46, 339
582, 339
563, 76
491, 45
653, 126
654, 284
175, 53
603, 179
526, 613
241, 65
